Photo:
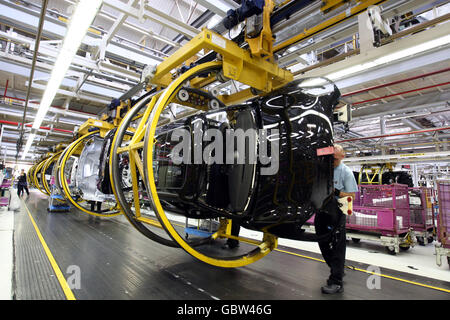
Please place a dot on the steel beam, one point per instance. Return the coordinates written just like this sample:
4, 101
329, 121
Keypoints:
219, 7
117, 23
401, 158
27, 19
437, 55
97, 91
428, 100
68, 93
342, 30
155, 15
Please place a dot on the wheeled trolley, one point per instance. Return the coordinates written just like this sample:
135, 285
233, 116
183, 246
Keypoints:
56, 201
5, 185
443, 222
380, 213
383, 211
421, 214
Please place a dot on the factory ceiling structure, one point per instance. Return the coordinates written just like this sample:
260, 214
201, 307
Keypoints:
399, 93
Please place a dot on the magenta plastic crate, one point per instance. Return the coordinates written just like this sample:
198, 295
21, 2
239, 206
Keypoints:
4, 201
6, 183
382, 209
421, 209
443, 221
378, 220
357, 200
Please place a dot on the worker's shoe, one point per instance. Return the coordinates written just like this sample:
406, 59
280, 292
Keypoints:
332, 288
228, 245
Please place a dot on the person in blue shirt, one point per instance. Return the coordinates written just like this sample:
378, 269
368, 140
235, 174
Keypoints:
333, 248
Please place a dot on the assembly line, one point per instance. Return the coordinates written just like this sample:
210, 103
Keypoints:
227, 156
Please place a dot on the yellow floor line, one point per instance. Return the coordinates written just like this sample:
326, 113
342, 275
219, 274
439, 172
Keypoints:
365, 271
62, 281
70, 295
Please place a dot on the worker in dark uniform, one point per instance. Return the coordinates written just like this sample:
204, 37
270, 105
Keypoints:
233, 243
333, 248
22, 184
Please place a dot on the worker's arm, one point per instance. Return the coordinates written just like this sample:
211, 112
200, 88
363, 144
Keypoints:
347, 194
350, 185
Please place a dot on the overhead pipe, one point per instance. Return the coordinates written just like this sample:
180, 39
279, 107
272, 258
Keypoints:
412, 139
33, 65
29, 126
61, 120
395, 134
395, 82
6, 143
403, 109
410, 142
57, 107
6, 87
401, 93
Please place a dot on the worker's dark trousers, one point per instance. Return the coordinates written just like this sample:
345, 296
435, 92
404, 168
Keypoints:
20, 189
333, 249
235, 228
99, 205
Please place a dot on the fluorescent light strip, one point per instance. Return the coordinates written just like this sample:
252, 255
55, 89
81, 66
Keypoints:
377, 62
79, 24
28, 145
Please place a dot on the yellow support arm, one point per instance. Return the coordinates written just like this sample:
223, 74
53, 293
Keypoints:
262, 45
328, 5
238, 63
103, 126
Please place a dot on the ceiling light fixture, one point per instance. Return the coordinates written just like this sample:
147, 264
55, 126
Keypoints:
432, 44
28, 145
78, 26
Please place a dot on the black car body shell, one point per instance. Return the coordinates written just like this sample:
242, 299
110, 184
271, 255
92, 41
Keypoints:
279, 203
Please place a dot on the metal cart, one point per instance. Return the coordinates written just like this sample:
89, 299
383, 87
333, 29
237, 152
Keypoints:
384, 215
421, 214
443, 222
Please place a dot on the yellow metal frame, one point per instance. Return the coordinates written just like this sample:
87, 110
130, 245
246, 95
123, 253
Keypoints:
237, 64
269, 242
328, 5
71, 149
60, 147
375, 172
102, 126
254, 67
36, 180
262, 46
30, 175
135, 161
47, 164
59, 162
117, 119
